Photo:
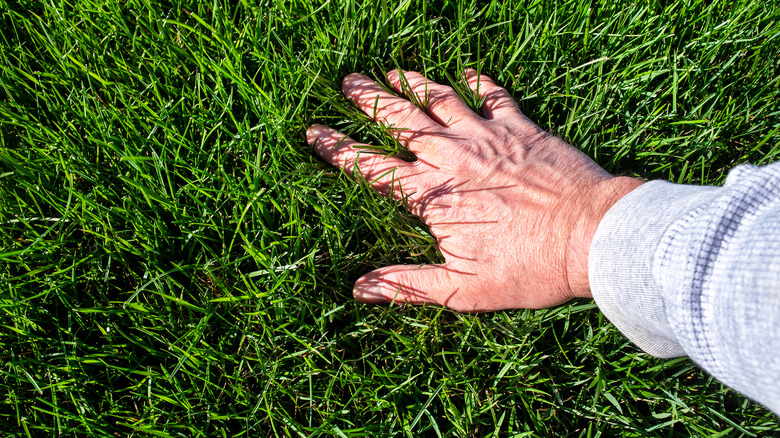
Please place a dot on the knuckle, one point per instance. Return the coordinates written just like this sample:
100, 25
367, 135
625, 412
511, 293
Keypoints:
496, 93
442, 99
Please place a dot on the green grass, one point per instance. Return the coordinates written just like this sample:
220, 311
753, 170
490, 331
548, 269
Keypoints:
175, 262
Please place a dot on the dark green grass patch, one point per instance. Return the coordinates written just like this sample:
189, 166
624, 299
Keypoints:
175, 262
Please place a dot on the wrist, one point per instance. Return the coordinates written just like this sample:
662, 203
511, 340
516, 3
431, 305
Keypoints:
595, 203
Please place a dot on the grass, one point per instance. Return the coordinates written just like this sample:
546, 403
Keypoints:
175, 262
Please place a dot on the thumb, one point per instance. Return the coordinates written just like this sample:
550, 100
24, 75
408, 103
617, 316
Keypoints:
414, 284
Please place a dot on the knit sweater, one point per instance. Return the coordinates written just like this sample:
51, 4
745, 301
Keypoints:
688, 270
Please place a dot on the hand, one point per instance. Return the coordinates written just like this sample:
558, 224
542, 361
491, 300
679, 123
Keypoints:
513, 209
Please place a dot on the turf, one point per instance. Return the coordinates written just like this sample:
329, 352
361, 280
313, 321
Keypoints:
175, 262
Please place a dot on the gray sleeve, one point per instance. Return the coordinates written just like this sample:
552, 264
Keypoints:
687, 270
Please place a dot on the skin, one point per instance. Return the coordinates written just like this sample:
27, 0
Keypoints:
513, 208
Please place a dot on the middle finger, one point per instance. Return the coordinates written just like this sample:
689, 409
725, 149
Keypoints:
441, 102
408, 123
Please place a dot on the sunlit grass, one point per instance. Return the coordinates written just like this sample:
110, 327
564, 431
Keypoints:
175, 262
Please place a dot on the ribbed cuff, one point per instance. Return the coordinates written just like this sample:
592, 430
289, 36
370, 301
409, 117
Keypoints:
621, 259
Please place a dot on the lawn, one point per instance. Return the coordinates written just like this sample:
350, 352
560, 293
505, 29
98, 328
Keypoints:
174, 261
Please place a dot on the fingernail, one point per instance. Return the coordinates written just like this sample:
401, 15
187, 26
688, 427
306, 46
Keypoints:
313, 133
394, 73
368, 289
352, 80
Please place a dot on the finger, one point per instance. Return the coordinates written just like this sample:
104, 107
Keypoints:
409, 124
411, 284
388, 175
441, 102
498, 102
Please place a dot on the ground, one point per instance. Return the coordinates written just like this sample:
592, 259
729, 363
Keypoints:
176, 262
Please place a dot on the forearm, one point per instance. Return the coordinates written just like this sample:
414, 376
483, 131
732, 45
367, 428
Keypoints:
685, 270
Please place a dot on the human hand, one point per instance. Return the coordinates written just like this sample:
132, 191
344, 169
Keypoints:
513, 208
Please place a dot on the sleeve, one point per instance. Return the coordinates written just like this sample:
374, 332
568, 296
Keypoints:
687, 270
